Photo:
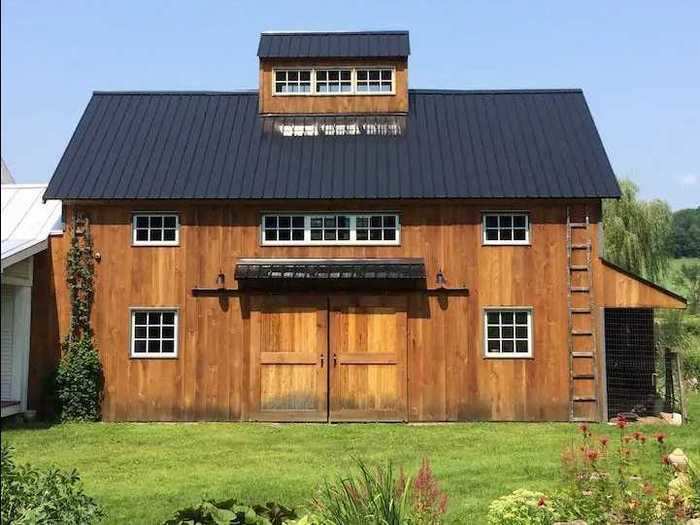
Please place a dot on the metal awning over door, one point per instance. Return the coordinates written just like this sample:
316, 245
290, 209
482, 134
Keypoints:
330, 274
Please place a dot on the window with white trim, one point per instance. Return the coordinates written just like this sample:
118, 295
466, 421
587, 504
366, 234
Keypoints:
330, 229
293, 81
156, 229
154, 333
506, 228
375, 80
334, 81
508, 332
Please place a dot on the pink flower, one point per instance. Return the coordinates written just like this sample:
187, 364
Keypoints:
621, 422
660, 437
592, 454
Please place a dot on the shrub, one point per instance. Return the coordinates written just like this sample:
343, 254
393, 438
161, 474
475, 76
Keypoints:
522, 507
231, 512
375, 496
79, 381
30, 495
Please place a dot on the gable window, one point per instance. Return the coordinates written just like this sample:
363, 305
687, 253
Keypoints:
506, 228
508, 332
330, 229
375, 80
155, 229
292, 81
333, 81
154, 333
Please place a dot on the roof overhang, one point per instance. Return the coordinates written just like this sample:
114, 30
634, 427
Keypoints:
19, 252
335, 274
623, 289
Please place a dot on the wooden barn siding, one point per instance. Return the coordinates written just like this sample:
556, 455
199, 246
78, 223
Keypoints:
448, 379
334, 104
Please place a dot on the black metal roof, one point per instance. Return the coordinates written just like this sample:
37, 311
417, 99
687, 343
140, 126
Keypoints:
339, 44
451, 144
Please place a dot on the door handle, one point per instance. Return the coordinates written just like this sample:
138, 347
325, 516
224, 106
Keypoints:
335, 360
322, 356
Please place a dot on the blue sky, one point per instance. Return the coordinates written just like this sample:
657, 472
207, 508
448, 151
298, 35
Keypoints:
637, 62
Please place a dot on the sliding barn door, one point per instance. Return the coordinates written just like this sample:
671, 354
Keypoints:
289, 358
367, 336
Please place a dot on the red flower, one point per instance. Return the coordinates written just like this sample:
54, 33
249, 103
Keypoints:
604, 441
541, 502
592, 454
637, 435
660, 437
621, 422
583, 428
643, 438
665, 459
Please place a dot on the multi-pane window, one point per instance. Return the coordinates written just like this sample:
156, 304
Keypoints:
330, 228
283, 228
376, 228
154, 333
506, 228
155, 229
508, 333
333, 80
375, 80
293, 81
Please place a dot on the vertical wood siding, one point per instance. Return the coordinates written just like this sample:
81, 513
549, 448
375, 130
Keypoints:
448, 377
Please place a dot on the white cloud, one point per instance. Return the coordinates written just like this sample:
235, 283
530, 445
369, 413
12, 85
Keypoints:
689, 180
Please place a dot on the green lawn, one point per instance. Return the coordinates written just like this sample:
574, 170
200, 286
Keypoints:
142, 472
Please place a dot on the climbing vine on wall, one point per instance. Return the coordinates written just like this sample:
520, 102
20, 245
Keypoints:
79, 379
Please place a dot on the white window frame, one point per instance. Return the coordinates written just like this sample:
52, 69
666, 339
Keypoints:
162, 214
132, 332
528, 228
509, 355
312, 84
339, 67
333, 93
353, 241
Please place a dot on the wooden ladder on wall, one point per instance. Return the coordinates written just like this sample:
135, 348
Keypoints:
583, 388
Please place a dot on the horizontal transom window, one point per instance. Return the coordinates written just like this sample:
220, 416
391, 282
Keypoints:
337, 81
154, 333
156, 229
506, 228
508, 332
330, 228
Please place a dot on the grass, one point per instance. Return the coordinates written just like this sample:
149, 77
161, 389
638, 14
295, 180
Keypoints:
141, 473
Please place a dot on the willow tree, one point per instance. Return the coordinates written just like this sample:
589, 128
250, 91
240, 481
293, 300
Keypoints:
638, 232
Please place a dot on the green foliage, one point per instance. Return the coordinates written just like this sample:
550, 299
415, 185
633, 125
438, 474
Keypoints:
373, 496
521, 507
687, 277
678, 332
231, 512
33, 496
79, 381
637, 232
686, 233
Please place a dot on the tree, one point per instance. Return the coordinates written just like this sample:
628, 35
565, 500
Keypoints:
687, 278
686, 233
637, 232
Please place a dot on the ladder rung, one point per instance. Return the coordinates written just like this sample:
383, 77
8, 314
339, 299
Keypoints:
581, 332
584, 246
579, 267
580, 310
580, 289
578, 224
584, 399
582, 354
584, 376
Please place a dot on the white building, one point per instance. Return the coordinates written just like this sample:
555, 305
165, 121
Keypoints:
27, 223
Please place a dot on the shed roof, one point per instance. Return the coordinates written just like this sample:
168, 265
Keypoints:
27, 221
451, 144
335, 44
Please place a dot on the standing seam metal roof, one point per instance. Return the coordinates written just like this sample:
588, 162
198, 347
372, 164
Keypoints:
452, 144
339, 44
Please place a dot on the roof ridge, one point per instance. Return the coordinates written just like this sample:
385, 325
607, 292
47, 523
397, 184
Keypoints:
341, 32
494, 91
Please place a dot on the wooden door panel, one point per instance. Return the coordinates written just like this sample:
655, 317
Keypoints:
289, 358
368, 347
